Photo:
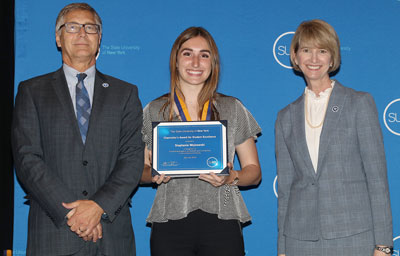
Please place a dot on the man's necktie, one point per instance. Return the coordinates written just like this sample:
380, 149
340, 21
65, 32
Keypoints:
82, 106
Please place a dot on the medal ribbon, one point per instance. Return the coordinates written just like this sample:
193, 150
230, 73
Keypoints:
184, 113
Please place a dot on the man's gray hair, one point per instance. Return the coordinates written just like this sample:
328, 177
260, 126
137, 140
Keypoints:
73, 7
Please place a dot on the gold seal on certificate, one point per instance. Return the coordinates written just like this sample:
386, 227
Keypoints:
188, 149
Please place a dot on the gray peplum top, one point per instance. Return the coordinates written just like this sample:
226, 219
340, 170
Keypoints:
180, 196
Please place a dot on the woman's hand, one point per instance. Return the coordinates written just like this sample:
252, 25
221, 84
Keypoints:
379, 253
213, 179
218, 181
250, 173
146, 175
160, 179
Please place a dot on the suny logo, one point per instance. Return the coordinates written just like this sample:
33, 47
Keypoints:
281, 49
396, 246
274, 186
212, 162
391, 117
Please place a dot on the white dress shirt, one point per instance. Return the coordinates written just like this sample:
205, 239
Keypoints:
72, 80
316, 108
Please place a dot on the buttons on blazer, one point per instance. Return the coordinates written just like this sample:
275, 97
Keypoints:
85, 163
85, 193
118, 210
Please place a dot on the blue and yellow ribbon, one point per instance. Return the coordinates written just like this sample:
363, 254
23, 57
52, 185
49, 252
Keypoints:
7, 252
184, 113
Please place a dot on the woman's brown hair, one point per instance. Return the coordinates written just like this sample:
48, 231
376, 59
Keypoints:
208, 92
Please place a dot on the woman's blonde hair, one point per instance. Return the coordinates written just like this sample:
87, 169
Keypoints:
320, 34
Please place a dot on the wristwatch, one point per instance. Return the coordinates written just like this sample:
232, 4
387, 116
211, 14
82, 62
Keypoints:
104, 216
385, 249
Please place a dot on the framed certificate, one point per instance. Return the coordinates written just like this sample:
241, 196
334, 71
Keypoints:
188, 149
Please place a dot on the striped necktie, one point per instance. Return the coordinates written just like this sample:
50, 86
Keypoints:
82, 106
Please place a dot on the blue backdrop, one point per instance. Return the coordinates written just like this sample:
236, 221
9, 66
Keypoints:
253, 38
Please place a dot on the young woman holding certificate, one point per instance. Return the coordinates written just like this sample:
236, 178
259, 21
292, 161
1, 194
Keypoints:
200, 216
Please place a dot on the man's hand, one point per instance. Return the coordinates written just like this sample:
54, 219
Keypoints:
84, 219
96, 234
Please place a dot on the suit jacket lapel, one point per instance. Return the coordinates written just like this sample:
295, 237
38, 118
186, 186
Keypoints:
61, 88
97, 104
335, 108
300, 133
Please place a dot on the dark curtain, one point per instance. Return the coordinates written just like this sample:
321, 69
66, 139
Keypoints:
6, 101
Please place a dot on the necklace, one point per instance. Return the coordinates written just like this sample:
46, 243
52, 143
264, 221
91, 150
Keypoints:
306, 112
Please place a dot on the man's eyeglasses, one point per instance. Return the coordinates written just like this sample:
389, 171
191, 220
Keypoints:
73, 27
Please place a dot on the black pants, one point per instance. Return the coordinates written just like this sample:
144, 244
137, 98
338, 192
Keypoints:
200, 234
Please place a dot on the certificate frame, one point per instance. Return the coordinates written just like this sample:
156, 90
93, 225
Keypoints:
188, 149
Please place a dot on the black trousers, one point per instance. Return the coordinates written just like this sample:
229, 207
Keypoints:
200, 234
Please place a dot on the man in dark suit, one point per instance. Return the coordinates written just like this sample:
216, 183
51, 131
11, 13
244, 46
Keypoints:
77, 148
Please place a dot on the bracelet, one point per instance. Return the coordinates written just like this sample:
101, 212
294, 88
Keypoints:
385, 249
235, 180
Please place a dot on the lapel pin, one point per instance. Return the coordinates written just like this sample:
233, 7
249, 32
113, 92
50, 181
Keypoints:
335, 109
105, 85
